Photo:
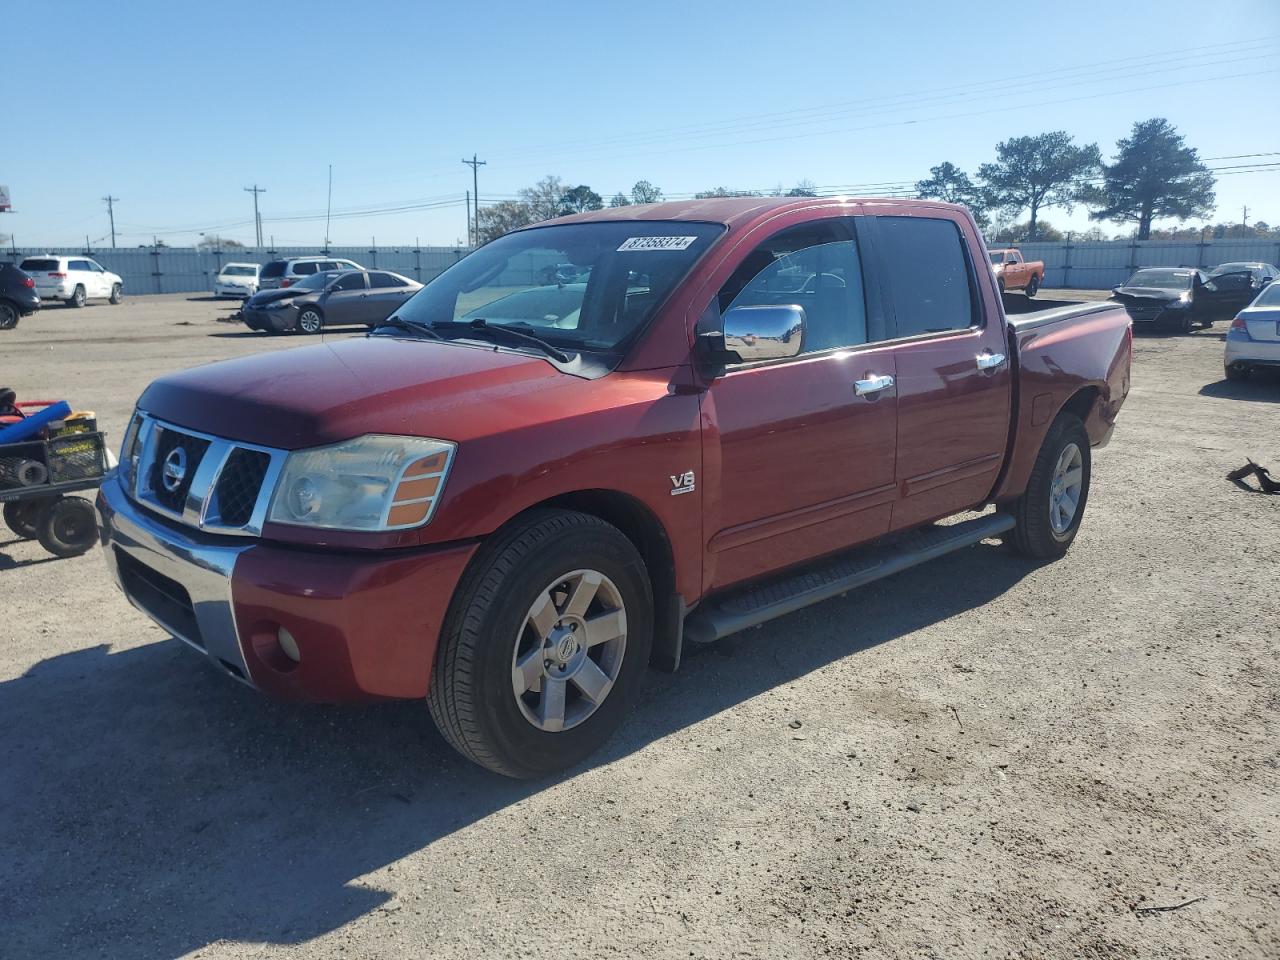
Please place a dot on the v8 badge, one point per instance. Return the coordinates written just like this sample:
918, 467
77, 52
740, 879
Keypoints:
684, 483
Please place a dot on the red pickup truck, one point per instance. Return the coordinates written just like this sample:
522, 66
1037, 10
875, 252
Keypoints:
529, 485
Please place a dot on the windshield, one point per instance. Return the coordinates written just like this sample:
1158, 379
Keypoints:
1175, 279
584, 286
317, 281
230, 271
1225, 268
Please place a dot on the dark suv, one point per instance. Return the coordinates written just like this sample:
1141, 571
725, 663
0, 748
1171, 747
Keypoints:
18, 296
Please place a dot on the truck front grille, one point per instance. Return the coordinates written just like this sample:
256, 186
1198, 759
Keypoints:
203, 481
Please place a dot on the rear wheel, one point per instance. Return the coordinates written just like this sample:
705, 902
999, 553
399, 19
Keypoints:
1033, 286
1048, 514
310, 321
67, 526
545, 645
1236, 372
77, 297
115, 293
8, 315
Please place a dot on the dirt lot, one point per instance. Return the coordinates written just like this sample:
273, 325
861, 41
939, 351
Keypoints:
978, 758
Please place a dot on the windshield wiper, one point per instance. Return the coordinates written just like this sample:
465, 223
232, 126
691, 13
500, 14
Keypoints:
399, 323
481, 325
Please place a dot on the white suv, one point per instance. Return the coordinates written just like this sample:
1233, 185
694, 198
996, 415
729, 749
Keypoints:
73, 280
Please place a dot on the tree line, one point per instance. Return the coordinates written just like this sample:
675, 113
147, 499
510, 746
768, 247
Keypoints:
1153, 176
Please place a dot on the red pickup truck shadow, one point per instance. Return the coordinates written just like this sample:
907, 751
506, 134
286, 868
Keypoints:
154, 807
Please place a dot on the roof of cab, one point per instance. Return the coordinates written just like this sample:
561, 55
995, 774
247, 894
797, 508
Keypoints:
730, 211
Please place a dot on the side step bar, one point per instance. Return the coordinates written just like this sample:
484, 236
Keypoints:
751, 606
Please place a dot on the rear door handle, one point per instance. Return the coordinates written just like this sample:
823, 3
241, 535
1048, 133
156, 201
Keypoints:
873, 384
990, 362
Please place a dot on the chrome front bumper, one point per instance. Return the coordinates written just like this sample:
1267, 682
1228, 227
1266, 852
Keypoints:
181, 584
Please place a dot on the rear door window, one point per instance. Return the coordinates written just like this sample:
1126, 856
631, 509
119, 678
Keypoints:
385, 280
79, 265
928, 275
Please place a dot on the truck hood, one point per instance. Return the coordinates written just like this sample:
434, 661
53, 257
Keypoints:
321, 394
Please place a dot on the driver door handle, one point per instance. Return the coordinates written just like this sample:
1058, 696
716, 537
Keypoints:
990, 362
873, 384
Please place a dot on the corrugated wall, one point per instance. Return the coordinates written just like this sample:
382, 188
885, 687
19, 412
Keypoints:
1100, 266
187, 270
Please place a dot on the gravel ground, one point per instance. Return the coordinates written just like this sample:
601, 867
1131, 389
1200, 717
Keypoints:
1008, 769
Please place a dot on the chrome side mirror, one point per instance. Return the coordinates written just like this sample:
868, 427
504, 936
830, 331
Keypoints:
764, 332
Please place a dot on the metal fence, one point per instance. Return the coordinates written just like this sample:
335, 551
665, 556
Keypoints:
190, 270
1099, 266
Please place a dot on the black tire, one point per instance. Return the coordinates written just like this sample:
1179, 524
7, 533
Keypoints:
310, 320
471, 697
1033, 286
77, 298
21, 517
1000, 284
8, 315
115, 294
1033, 534
1236, 372
1182, 323
68, 527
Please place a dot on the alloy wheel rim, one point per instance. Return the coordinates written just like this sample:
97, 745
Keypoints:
569, 650
1065, 488
309, 321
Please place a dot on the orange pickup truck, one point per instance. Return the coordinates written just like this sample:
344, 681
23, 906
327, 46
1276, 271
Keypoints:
1014, 273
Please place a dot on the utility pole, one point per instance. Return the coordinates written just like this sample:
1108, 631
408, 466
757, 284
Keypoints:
327, 210
475, 166
468, 216
1244, 216
111, 213
257, 218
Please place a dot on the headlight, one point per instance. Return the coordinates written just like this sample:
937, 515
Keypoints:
1184, 297
373, 482
129, 452
278, 305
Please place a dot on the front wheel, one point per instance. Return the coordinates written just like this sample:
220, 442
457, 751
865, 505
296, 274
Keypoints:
115, 294
545, 646
1047, 516
67, 527
310, 321
1033, 286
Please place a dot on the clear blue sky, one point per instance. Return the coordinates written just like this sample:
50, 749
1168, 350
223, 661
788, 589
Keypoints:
175, 108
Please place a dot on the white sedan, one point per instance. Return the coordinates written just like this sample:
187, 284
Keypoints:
1254, 337
238, 280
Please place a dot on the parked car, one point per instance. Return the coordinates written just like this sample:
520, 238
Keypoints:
1253, 339
278, 274
73, 280
513, 518
236, 280
18, 297
1014, 273
1230, 287
1170, 296
331, 299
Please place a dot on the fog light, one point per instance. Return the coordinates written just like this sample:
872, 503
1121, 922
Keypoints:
288, 645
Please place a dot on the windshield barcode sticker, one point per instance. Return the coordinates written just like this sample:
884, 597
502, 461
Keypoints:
655, 243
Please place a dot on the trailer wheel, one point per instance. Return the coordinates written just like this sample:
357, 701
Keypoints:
68, 526
1048, 514
21, 516
545, 646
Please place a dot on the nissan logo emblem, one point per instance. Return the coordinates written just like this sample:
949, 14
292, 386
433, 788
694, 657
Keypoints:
175, 469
